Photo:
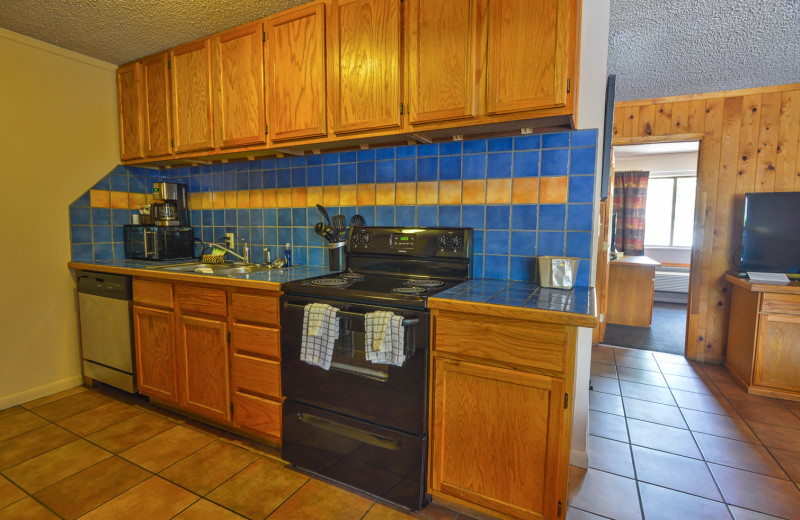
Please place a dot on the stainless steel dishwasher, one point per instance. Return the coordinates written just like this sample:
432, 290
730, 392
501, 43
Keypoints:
106, 333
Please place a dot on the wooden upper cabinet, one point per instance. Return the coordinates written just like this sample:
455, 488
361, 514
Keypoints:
366, 64
297, 73
528, 54
191, 92
129, 98
239, 79
157, 113
443, 59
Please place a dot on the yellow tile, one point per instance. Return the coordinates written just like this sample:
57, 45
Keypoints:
553, 190
242, 199
230, 200
384, 194
119, 199
366, 194
270, 197
525, 190
285, 197
218, 199
474, 192
256, 199
299, 197
194, 200
207, 201
427, 192
313, 195
406, 193
330, 195
99, 198
450, 192
498, 191
136, 200
347, 195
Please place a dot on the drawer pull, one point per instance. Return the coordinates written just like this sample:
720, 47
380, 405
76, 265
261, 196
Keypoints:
349, 432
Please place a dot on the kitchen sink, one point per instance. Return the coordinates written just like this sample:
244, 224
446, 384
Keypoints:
215, 269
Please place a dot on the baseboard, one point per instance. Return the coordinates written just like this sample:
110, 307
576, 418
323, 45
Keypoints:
579, 458
7, 401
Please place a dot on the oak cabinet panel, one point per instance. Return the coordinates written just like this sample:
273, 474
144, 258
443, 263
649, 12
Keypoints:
205, 369
152, 294
155, 353
297, 73
192, 101
255, 308
366, 63
263, 416
260, 341
131, 124
256, 375
778, 356
201, 299
157, 109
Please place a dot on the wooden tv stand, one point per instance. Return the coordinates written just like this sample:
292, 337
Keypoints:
763, 351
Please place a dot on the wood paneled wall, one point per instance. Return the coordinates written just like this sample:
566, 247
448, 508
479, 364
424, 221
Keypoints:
749, 142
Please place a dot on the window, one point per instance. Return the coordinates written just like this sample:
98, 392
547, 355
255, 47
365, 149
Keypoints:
669, 214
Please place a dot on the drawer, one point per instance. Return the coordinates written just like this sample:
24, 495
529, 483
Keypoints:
262, 341
773, 303
260, 376
255, 308
540, 346
153, 294
257, 414
205, 300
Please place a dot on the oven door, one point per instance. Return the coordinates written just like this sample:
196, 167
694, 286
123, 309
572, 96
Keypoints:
389, 396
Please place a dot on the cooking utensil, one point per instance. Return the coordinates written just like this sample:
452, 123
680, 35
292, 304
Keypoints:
357, 220
324, 213
318, 229
330, 233
339, 223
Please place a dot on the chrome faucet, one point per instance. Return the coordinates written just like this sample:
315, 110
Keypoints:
244, 257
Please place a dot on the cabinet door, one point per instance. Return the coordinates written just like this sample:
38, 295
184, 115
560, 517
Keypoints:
205, 367
777, 356
129, 100
155, 353
366, 64
297, 77
527, 54
157, 114
442, 59
240, 81
191, 94
496, 437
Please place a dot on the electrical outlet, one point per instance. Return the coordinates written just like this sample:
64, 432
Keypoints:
229, 240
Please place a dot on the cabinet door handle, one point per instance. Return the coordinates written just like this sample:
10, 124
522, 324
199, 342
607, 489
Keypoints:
349, 432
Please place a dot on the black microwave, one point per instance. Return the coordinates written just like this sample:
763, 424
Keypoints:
158, 242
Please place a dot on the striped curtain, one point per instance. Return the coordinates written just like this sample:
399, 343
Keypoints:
630, 196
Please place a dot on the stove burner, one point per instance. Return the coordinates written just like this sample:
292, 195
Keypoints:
330, 282
428, 284
409, 290
352, 277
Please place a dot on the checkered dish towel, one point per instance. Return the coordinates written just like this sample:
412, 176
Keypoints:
320, 330
384, 338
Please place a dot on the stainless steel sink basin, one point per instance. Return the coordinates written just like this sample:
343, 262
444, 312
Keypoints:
216, 269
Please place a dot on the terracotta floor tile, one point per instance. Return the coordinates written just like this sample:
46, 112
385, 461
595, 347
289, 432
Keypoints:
130, 432
656, 394
28, 509
639, 363
166, 448
704, 403
55, 397
645, 377
608, 403
48, 468
758, 492
794, 406
602, 357
205, 510
577, 514
603, 349
674, 472
98, 418
777, 436
781, 416
738, 454
35, 442
381, 512
18, 423
666, 504
717, 373
9, 493
747, 514
259, 489
322, 501
7, 412
601, 369
153, 499
789, 461
71, 405
664, 438
718, 425
438, 512
608, 425
654, 412
209, 467
734, 391
679, 369
606, 385
632, 352
610, 456
604, 494
692, 384
89, 488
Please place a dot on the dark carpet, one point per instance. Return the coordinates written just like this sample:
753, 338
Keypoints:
667, 333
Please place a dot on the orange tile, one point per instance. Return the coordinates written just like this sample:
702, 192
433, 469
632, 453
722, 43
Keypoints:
525, 190
285, 197
427, 192
498, 191
218, 199
194, 200
50, 467
256, 199
330, 195
99, 198
313, 195
230, 200
450, 192
242, 199
347, 195
154, 498
384, 194
299, 197
207, 201
270, 197
119, 199
406, 193
474, 192
366, 194
553, 190
136, 200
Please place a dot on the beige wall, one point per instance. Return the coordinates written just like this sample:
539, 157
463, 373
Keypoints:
58, 136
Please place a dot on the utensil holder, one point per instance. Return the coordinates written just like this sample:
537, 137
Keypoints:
337, 260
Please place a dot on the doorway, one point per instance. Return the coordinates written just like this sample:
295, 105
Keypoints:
668, 233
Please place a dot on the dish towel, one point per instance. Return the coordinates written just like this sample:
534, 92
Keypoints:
384, 338
320, 330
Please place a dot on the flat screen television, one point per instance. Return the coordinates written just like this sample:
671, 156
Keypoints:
771, 235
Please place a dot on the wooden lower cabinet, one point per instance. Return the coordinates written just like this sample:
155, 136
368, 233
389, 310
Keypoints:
205, 375
155, 353
778, 355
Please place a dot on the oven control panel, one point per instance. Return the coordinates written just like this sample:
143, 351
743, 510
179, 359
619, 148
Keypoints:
420, 242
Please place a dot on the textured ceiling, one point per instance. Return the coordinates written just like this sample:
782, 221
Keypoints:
119, 31
661, 48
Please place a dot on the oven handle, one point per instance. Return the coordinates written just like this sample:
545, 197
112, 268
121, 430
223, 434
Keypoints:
408, 322
349, 432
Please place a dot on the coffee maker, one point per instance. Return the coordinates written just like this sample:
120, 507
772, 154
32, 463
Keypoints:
169, 207
168, 233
